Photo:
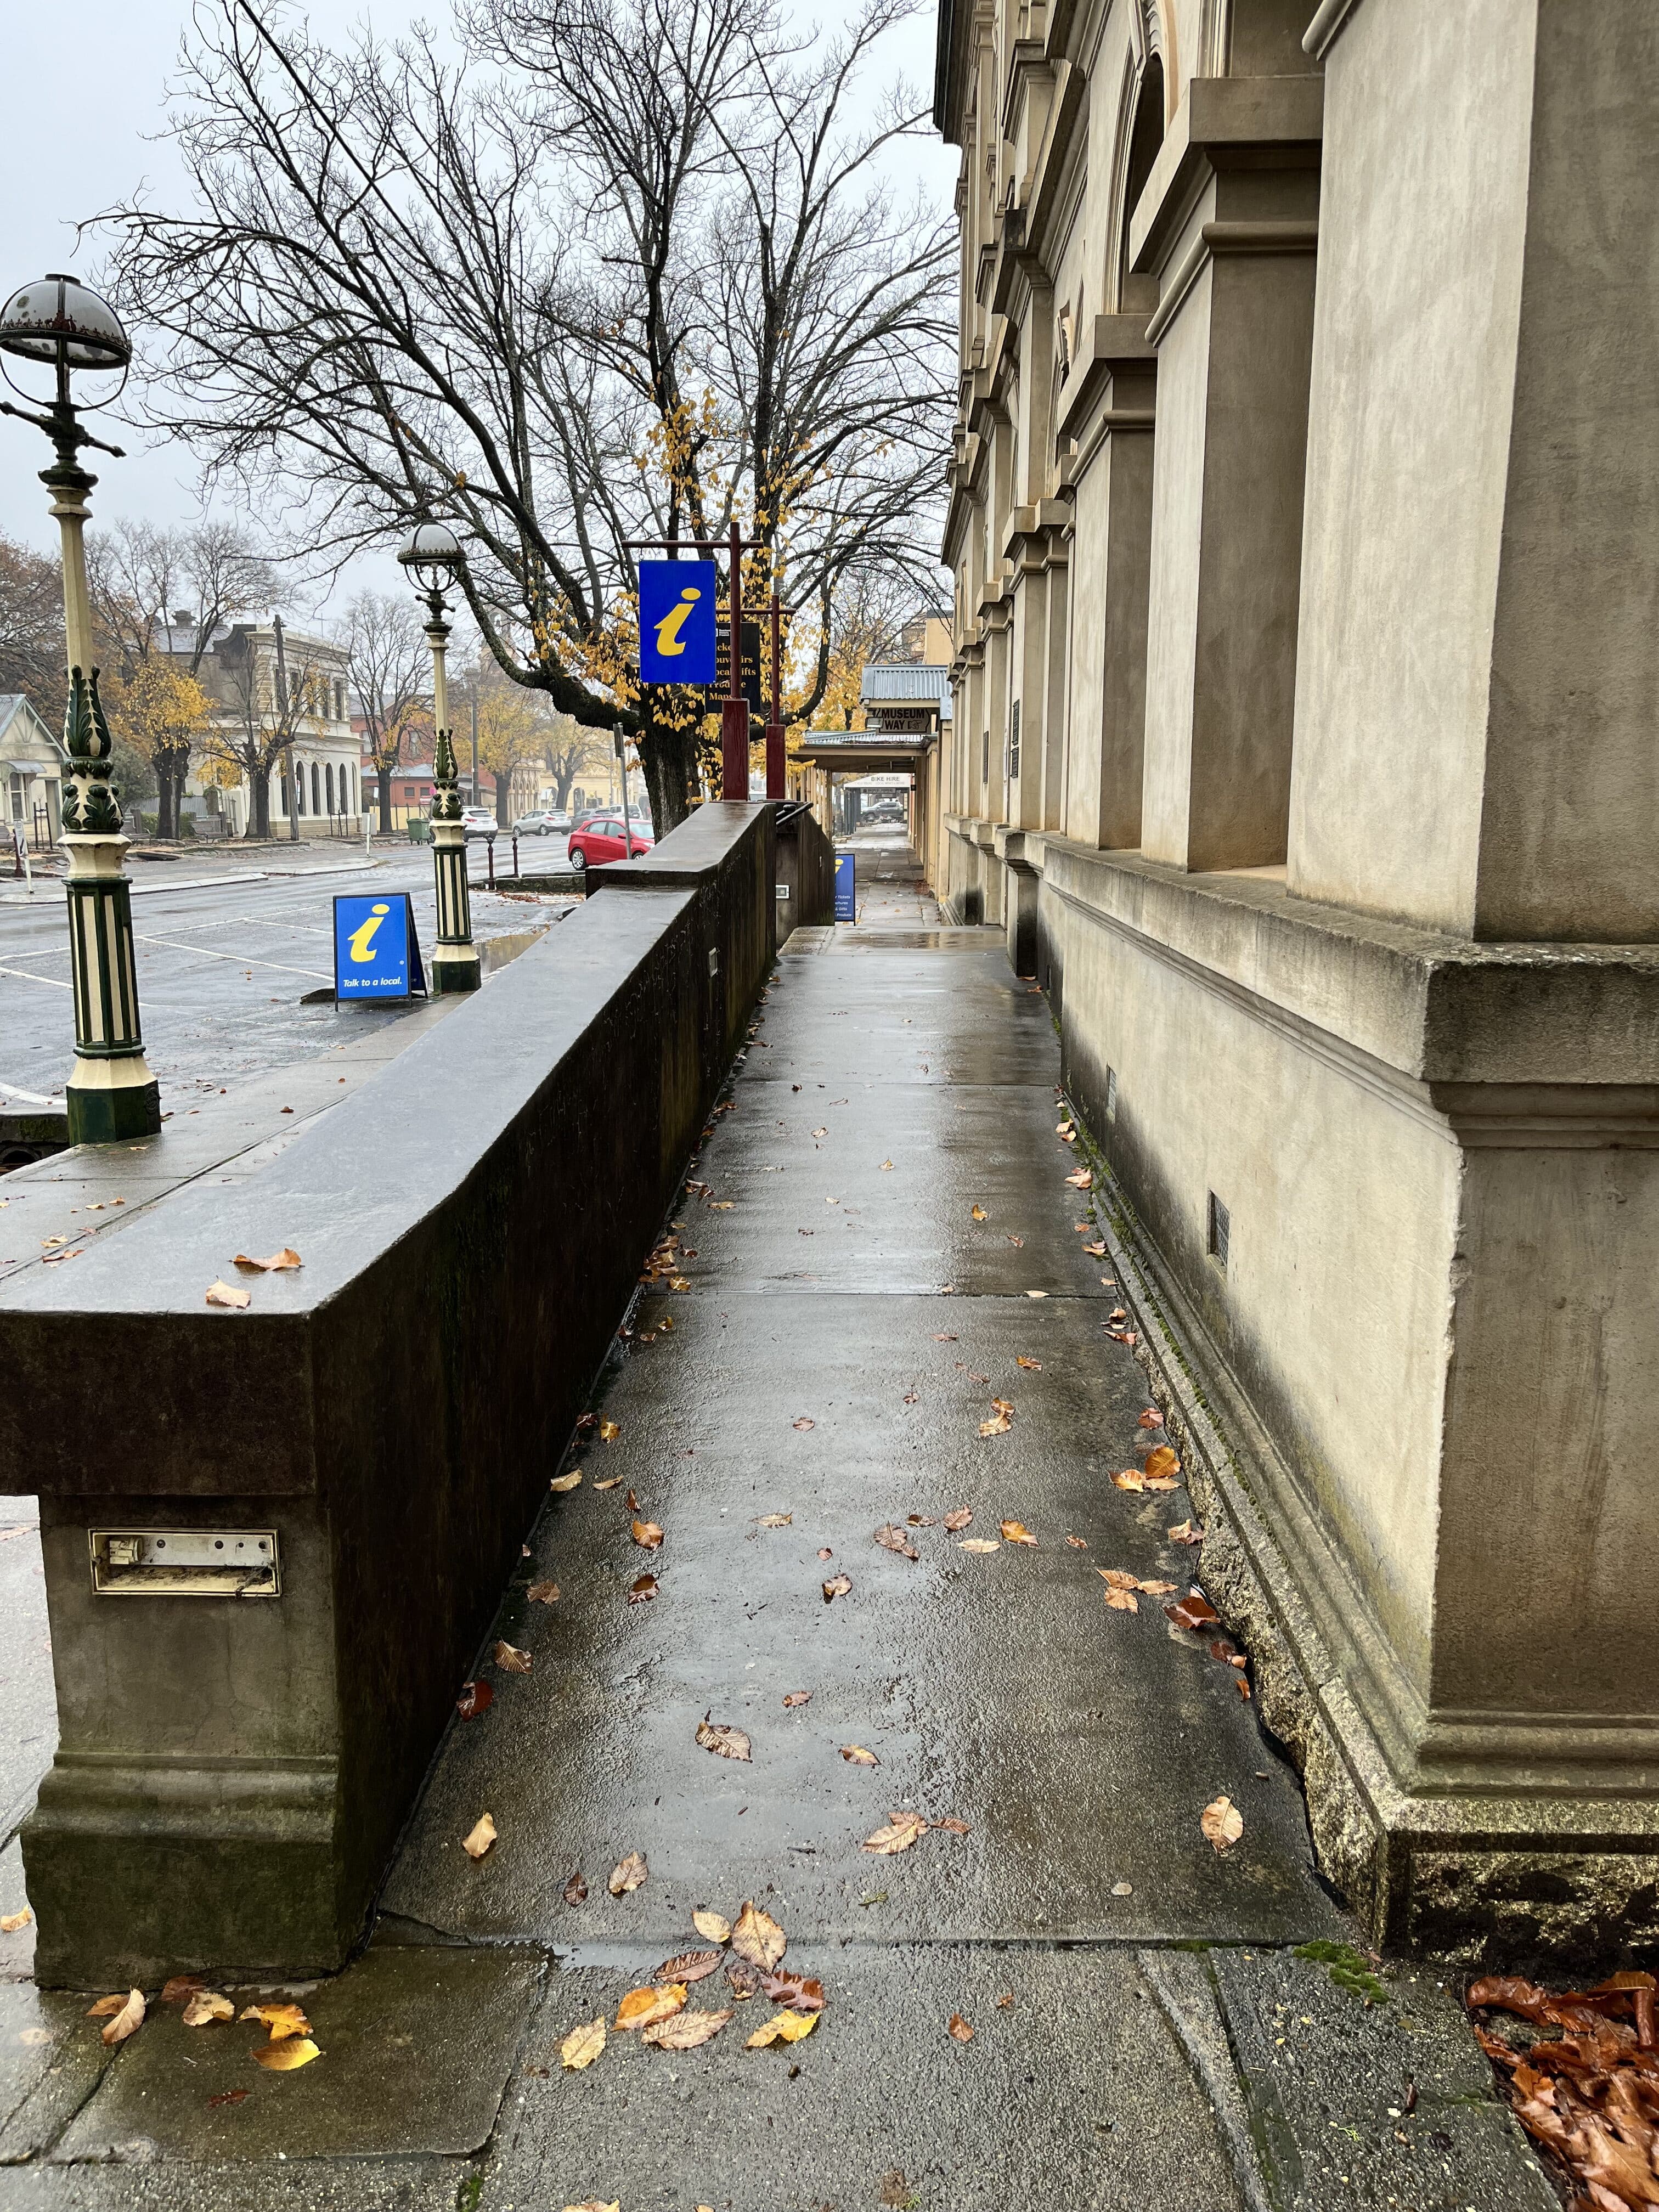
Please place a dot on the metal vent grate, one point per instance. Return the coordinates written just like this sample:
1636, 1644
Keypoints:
1218, 1228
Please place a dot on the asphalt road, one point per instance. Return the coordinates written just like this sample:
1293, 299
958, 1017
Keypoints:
222, 964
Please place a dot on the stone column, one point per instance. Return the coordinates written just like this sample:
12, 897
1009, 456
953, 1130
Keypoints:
1106, 409
1228, 223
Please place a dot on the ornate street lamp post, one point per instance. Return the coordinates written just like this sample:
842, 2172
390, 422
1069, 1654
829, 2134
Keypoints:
431, 556
111, 1093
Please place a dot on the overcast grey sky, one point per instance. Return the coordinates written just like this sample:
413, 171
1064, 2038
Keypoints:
106, 62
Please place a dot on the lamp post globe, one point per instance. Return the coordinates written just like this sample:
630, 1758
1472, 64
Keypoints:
60, 323
431, 554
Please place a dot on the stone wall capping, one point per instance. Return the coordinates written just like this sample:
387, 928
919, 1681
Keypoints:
1265, 122
1434, 1009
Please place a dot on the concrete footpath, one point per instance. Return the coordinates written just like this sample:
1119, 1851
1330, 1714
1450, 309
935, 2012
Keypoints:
871, 1363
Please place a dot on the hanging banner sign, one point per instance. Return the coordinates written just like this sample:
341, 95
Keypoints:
677, 622
377, 954
748, 675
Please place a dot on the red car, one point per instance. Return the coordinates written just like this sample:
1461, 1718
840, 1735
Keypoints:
600, 837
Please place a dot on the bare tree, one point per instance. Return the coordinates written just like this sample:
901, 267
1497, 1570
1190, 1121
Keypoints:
390, 668
515, 298
32, 651
165, 594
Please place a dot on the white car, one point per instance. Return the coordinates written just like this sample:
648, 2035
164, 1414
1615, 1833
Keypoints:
479, 821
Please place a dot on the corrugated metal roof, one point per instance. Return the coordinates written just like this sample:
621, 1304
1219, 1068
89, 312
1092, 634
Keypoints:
906, 679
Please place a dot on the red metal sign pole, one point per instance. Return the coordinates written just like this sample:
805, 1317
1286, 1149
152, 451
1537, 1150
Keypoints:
734, 714
774, 727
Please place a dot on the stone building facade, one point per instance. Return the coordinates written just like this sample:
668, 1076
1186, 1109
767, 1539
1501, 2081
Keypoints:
239, 672
1303, 530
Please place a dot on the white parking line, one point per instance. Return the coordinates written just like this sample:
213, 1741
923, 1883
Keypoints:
29, 978
236, 959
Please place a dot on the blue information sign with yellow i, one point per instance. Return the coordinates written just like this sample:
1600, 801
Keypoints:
377, 954
677, 622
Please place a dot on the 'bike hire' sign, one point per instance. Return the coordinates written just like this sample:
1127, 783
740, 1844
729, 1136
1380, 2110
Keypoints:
677, 622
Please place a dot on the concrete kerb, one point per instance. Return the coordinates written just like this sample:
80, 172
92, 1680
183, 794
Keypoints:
232, 1776
1500, 1881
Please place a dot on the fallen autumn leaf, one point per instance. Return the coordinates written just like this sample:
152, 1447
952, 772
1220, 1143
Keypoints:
685, 2031
892, 1538
575, 1890
856, 1756
475, 1697
272, 1265
712, 1925
628, 1873
225, 1294
837, 1586
562, 1483
783, 2027
793, 1697
1222, 1823
543, 1592
609, 1432
582, 2046
482, 1836
775, 1520
689, 1966
724, 1742
644, 2008
979, 1544
126, 2015
511, 1660
285, 2058
648, 1535
641, 1592
758, 1938
904, 1830
960, 1519
958, 2029
1015, 1532
207, 2005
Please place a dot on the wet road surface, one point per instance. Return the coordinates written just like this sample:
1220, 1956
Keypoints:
878, 1243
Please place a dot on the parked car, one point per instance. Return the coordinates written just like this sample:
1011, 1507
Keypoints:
600, 837
479, 821
540, 821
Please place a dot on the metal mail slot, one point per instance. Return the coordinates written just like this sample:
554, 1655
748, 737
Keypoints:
184, 1563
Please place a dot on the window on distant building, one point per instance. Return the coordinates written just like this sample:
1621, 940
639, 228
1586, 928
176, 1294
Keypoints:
328, 783
316, 790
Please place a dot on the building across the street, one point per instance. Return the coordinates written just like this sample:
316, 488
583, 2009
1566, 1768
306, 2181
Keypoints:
32, 764
240, 672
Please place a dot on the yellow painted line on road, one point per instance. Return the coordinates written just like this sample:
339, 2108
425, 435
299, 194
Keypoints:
236, 959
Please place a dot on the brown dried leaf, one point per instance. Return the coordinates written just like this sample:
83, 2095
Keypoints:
892, 1538
979, 1544
644, 2008
726, 1742
1020, 1360
1162, 1461
959, 2029
856, 1756
1122, 1600
1079, 1543
980, 1215
905, 1829
615, 1481
1194, 1611
648, 1535
482, 1836
562, 1483
689, 1966
1158, 1589
799, 1991
687, 2032
230, 2097
962, 1518
783, 2027
1097, 1250
285, 2058
475, 1697
225, 1294
1015, 1532
543, 1592
775, 1520
922, 1520
1151, 1418
575, 1890
1222, 1823
998, 1425
1081, 1179
1129, 1479
758, 1938
179, 1991
207, 2005
743, 1979
609, 1432
511, 1660
804, 1423
582, 2046
837, 1586
628, 1873
273, 1264
714, 1926
641, 1592
1185, 1533
794, 1697
11, 1921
